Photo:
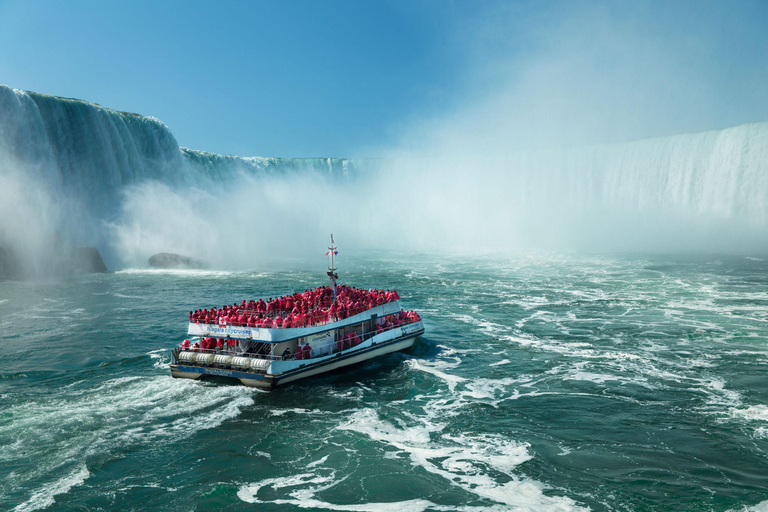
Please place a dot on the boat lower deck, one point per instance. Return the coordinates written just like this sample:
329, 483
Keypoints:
276, 373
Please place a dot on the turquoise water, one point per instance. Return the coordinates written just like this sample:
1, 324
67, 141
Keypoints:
542, 383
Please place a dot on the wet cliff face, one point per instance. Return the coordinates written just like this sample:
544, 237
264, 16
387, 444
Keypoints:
10, 265
61, 262
171, 260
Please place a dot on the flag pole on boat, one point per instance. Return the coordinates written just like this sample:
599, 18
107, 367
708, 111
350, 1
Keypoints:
332, 275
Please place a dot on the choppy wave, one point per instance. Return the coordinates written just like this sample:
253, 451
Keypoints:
68, 430
46, 496
177, 272
627, 382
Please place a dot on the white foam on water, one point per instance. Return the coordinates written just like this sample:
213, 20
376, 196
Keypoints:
752, 413
180, 272
299, 411
362, 386
463, 350
592, 377
760, 507
148, 485
162, 360
623, 373
309, 484
123, 296
523, 340
755, 352
499, 363
46, 496
491, 391
717, 392
463, 391
248, 492
485, 326
470, 462
354, 394
318, 462
451, 380
120, 412
448, 353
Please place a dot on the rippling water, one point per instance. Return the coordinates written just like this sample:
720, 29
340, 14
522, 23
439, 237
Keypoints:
542, 383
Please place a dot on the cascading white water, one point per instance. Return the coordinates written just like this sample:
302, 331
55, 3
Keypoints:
703, 191
719, 174
66, 167
87, 175
65, 163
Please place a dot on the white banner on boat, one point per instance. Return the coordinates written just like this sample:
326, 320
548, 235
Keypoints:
218, 331
320, 340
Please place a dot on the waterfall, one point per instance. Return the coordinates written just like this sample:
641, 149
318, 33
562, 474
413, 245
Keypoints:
66, 166
75, 173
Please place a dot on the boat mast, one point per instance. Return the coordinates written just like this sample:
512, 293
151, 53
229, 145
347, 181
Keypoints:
332, 275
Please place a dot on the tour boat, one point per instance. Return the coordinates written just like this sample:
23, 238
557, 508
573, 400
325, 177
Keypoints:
265, 344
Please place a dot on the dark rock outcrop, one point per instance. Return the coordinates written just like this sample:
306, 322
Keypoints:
10, 265
83, 260
171, 260
57, 262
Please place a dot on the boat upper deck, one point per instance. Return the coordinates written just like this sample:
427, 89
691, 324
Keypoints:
295, 315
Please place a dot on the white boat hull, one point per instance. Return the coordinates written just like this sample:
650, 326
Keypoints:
284, 372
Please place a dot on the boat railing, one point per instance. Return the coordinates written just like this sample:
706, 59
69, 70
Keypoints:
332, 347
317, 315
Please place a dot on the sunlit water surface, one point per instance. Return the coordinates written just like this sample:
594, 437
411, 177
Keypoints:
542, 383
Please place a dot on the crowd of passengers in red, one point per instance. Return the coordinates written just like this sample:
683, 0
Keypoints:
313, 307
351, 339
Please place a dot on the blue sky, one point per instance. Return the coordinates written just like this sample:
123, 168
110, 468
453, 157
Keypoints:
363, 78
